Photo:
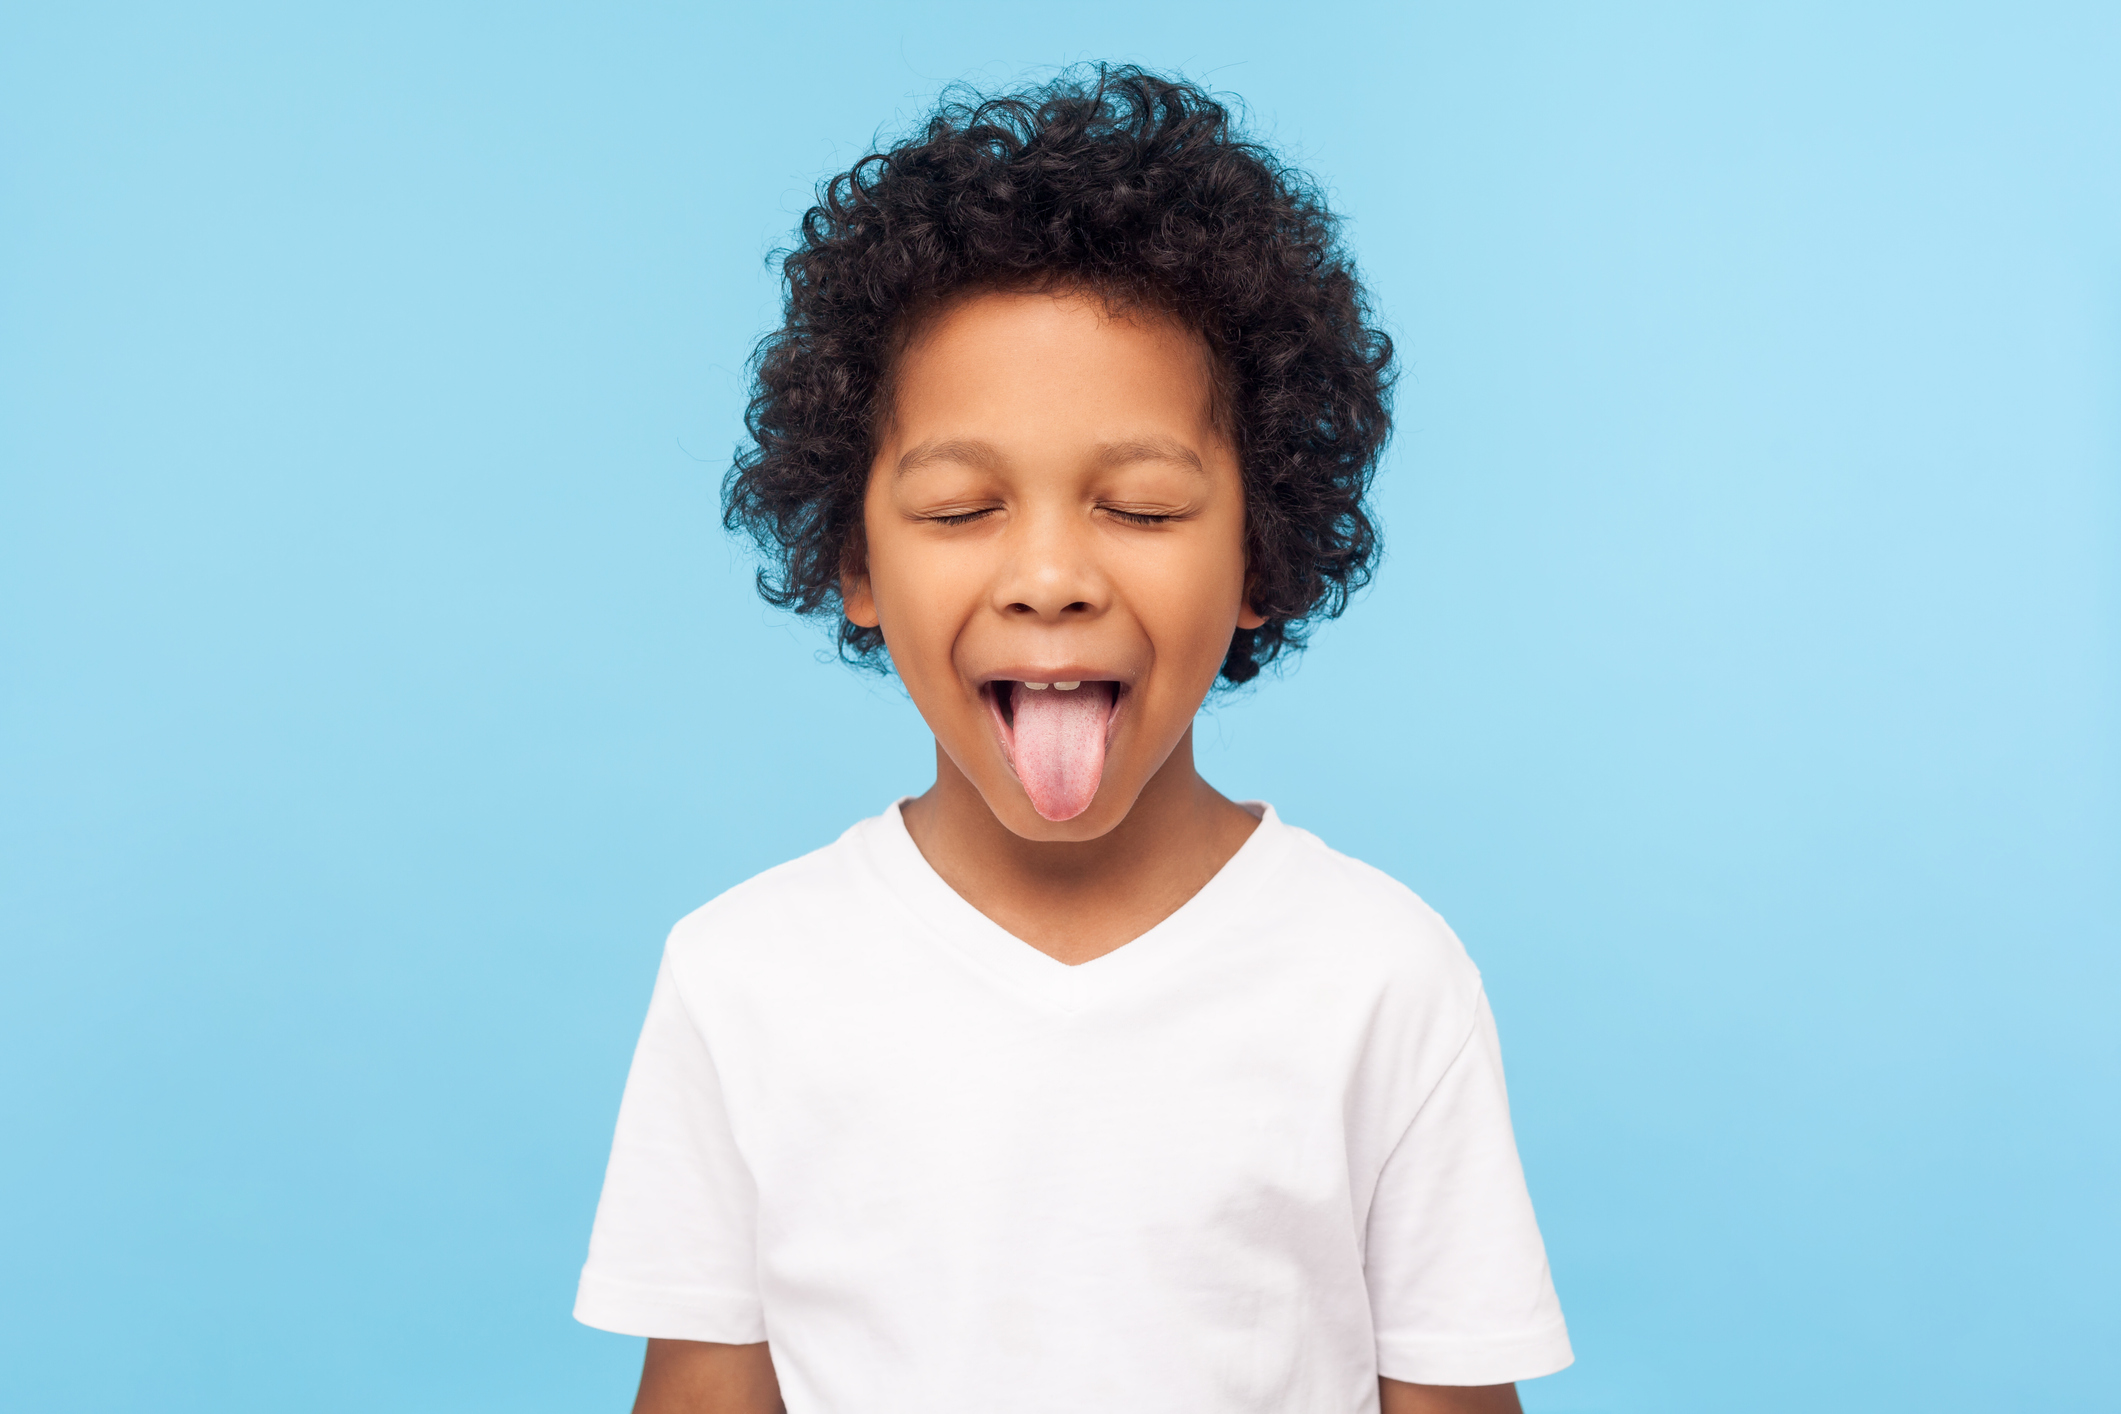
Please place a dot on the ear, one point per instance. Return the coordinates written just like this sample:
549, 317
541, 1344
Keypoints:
857, 599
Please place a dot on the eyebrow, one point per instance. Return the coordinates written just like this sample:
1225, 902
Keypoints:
969, 451
1149, 449
975, 452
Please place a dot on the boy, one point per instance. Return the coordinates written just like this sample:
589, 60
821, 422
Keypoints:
1070, 1085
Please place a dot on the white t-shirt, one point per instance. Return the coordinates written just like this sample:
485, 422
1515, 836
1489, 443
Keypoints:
1247, 1162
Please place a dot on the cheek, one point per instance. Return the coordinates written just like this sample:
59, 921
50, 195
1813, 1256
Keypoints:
1191, 601
1215, 566
888, 561
924, 593
919, 582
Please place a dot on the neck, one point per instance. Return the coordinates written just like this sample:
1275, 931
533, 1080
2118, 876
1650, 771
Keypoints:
1076, 900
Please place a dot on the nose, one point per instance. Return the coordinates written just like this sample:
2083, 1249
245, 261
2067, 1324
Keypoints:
1052, 573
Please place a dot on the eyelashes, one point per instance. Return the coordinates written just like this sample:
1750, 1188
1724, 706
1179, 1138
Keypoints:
1126, 516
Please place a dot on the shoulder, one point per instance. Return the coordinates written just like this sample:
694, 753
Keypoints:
812, 897
1374, 921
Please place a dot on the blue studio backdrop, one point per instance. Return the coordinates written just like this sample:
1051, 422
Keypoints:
376, 685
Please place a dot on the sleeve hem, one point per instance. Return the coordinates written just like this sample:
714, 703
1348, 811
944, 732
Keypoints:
664, 1314
1451, 1360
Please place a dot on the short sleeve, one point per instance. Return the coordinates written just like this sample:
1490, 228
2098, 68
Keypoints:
1459, 1288
674, 1251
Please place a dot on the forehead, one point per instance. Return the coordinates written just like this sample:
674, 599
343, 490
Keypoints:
1041, 364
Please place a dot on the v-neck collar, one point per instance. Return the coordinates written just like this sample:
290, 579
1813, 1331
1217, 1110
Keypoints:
1071, 987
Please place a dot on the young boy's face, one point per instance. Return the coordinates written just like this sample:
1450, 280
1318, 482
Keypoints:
1052, 504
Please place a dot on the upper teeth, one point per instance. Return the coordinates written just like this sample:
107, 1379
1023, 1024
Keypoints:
1066, 686
1037, 686
1056, 686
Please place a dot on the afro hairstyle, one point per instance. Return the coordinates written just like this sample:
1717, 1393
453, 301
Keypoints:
1139, 188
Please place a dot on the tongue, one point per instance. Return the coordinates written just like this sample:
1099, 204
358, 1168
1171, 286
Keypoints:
1058, 745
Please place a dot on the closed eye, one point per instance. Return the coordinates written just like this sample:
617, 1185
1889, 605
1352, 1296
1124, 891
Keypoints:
959, 517
1143, 517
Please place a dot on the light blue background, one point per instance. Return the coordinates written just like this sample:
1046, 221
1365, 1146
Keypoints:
1742, 680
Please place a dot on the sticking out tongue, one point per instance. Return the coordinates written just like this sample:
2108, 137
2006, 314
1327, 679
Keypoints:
1057, 745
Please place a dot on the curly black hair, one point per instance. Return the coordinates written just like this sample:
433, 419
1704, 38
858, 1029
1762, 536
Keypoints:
1114, 180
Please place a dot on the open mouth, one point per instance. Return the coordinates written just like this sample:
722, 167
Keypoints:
1055, 735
